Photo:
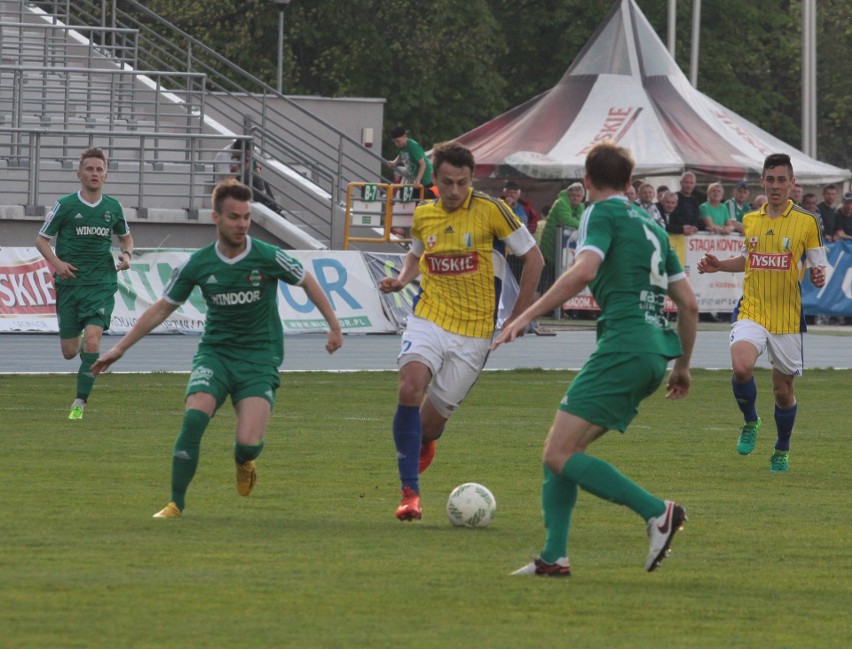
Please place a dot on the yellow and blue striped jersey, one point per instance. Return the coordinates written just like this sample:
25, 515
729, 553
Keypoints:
459, 288
775, 252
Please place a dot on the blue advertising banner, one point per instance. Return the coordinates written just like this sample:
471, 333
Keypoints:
835, 298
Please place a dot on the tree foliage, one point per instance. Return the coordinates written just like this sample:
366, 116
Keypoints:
445, 66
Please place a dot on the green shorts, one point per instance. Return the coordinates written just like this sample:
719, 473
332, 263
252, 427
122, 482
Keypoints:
221, 375
608, 389
80, 305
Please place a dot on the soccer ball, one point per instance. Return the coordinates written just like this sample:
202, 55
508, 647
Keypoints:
471, 505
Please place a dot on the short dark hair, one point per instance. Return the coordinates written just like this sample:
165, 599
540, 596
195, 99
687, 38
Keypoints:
777, 160
93, 152
230, 188
808, 195
397, 131
453, 153
609, 166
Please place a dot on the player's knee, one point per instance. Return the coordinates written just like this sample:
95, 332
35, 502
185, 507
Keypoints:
555, 456
69, 354
410, 393
783, 396
742, 372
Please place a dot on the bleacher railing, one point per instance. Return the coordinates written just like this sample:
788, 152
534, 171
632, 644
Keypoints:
249, 101
47, 44
40, 167
66, 97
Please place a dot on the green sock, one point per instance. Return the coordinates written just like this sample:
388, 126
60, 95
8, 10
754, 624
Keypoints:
85, 378
605, 481
246, 452
186, 453
558, 496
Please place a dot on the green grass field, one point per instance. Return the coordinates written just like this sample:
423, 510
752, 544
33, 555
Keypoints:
315, 557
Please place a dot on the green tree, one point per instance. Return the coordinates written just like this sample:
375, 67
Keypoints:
445, 66
438, 74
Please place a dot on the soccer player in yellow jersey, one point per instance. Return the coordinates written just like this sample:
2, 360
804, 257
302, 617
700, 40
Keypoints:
780, 239
457, 248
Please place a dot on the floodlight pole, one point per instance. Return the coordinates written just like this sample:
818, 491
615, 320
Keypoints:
696, 35
672, 25
281, 4
809, 91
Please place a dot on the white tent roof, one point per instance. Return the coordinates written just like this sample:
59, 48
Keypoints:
624, 85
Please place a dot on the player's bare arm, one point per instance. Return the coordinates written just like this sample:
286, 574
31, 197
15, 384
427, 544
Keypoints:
569, 284
712, 264
126, 252
677, 385
153, 316
320, 300
533, 262
63, 270
817, 275
410, 270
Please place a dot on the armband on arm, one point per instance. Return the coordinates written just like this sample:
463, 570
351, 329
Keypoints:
816, 257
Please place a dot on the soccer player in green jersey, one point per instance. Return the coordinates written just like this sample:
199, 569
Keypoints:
85, 272
243, 341
625, 258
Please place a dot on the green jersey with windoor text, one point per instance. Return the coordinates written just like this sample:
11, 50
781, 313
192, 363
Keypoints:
241, 296
84, 234
630, 286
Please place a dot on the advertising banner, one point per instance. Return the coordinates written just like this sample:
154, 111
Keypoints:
350, 280
720, 292
28, 298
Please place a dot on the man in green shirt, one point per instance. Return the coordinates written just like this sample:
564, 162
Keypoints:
414, 159
243, 342
565, 212
625, 258
85, 274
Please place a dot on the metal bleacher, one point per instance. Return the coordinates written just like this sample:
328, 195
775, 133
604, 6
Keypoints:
115, 75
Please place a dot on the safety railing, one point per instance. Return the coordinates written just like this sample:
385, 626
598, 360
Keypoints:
380, 212
49, 44
249, 102
147, 170
112, 99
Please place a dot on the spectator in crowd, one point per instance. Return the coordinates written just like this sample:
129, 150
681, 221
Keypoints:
796, 192
759, 201
713, 213
565, 212
646, 202
662, 189
522, 208
631, 194
686, 219
411, 155
827, 211
843, 220
527, 215
224, 162
261, 189
738, 206
667, 205
809, 202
